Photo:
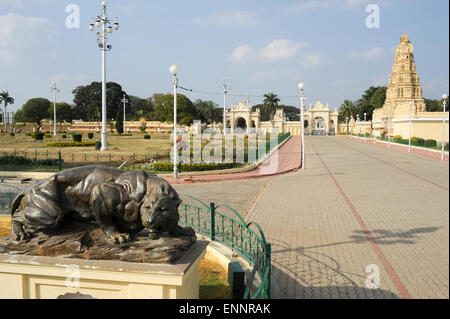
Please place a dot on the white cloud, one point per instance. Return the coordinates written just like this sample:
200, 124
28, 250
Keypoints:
371, 54
21, 36
228, 17
280, 49
243, 53
310, 60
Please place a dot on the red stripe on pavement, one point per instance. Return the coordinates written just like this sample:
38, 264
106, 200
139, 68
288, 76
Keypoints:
386, 264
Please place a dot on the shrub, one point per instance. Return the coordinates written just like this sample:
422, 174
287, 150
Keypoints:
29, 134
147, 137
70, 144
64, 136
38, 136
90, 136
21, 160
168, 167
417, 141
398, 138
77, 137
48, 136
12, 134
430, 143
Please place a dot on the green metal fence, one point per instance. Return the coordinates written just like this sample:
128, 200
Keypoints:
7, 195
224, 224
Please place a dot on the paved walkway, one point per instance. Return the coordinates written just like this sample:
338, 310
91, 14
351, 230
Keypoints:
358, 205
285, 160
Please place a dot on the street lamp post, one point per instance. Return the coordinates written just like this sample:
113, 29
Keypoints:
389, 127
301, 86
410, 125
373, 129
365, 122
174, 71
225, 92
124, 101
444, 98
102, 38
54, 90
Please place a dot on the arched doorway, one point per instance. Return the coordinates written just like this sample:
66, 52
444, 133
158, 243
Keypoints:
319, 127
332, 130
306, 127
241, 124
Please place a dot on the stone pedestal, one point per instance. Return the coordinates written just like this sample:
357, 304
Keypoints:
41, 277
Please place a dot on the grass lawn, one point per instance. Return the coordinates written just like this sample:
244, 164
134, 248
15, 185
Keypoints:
213, 281
159, 143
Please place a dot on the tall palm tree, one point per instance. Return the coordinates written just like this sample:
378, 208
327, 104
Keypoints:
271, 103
6, 99
348, 109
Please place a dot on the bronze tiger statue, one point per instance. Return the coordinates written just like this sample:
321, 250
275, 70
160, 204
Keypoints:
122, 203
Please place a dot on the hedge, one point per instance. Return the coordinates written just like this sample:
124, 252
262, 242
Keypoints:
168, 167
90, 136
70, 144
417, 141
430, 143
21, 160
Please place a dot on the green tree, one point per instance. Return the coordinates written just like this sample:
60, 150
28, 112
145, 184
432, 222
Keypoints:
138, 108
208, 111
435, 105
367, 95
379, 97
88, 101
6, 99
64, 113
292, 113
271, 104
347, 109
35, 110
163, 108
119, 121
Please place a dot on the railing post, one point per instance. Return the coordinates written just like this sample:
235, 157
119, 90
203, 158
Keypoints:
212, 221
268, 264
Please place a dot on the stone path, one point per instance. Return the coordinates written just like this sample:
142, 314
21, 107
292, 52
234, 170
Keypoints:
358, 205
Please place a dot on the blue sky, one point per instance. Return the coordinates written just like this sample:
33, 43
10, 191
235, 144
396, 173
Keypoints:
260, 46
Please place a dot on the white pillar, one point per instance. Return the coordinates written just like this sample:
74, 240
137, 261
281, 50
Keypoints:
104, 133
443, 128
175, 137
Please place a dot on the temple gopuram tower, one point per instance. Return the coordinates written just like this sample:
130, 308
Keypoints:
403, 87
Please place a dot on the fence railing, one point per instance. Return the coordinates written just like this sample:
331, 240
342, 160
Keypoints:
224, 224
7, 195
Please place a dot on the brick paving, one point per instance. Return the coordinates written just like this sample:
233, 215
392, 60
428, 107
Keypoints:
354, 206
